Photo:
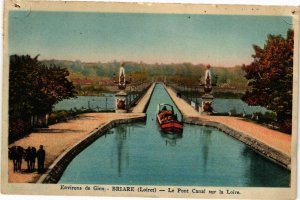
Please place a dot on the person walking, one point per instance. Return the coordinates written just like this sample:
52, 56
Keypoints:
32, 158
13, 156
19, 157
27, 158
40, 154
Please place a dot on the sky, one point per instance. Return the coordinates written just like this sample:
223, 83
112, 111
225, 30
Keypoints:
219, 40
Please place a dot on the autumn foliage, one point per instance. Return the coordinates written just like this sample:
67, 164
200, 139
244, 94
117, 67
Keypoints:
270, 77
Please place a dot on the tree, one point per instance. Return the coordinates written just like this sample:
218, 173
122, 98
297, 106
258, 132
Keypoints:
33, 90
270, 77
53, 87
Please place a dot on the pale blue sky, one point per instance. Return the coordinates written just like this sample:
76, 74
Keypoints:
163, 38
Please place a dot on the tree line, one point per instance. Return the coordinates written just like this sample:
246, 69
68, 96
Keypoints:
186, 73
33, 90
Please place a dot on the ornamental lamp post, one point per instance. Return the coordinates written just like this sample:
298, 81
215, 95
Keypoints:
207, 98
121, 96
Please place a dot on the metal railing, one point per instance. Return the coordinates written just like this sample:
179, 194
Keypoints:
189, 93
136, 91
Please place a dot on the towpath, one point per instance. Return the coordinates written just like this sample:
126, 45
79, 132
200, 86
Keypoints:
59, 137
142, 103
272, 138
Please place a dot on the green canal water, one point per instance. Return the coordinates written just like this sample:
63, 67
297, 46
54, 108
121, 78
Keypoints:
140, 154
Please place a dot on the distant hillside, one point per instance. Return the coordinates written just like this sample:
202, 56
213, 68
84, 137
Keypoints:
226, 77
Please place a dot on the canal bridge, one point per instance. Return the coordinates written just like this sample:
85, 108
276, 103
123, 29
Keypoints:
74, 136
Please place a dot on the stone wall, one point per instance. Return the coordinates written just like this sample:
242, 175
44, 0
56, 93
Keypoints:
56, 170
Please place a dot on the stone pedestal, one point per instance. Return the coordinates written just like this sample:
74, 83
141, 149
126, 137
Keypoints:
120, 101
206, 105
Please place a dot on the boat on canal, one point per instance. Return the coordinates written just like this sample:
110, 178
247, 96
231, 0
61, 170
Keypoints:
167, 119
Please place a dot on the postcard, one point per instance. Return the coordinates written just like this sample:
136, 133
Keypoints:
150, 100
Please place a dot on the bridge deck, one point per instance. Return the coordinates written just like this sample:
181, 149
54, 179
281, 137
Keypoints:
142, 104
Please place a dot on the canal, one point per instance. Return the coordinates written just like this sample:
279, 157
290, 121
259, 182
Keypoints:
140, 154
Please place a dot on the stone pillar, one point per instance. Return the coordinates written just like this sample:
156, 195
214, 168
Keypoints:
206, 104
120, 101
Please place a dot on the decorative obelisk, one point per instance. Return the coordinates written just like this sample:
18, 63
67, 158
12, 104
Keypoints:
207, 98
121, 97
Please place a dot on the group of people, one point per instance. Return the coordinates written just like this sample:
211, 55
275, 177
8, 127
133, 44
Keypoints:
30, 155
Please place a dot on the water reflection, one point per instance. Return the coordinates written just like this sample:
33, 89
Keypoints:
120, 137
259, 167
205, 143
170, 139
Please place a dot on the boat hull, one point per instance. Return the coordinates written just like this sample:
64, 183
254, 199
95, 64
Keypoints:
172, 126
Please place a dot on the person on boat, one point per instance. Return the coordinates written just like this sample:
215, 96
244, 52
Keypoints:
175, 116
162, 112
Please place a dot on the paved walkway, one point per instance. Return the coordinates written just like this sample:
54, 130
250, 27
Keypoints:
186, 109
59, 137
141, 105
275, 139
